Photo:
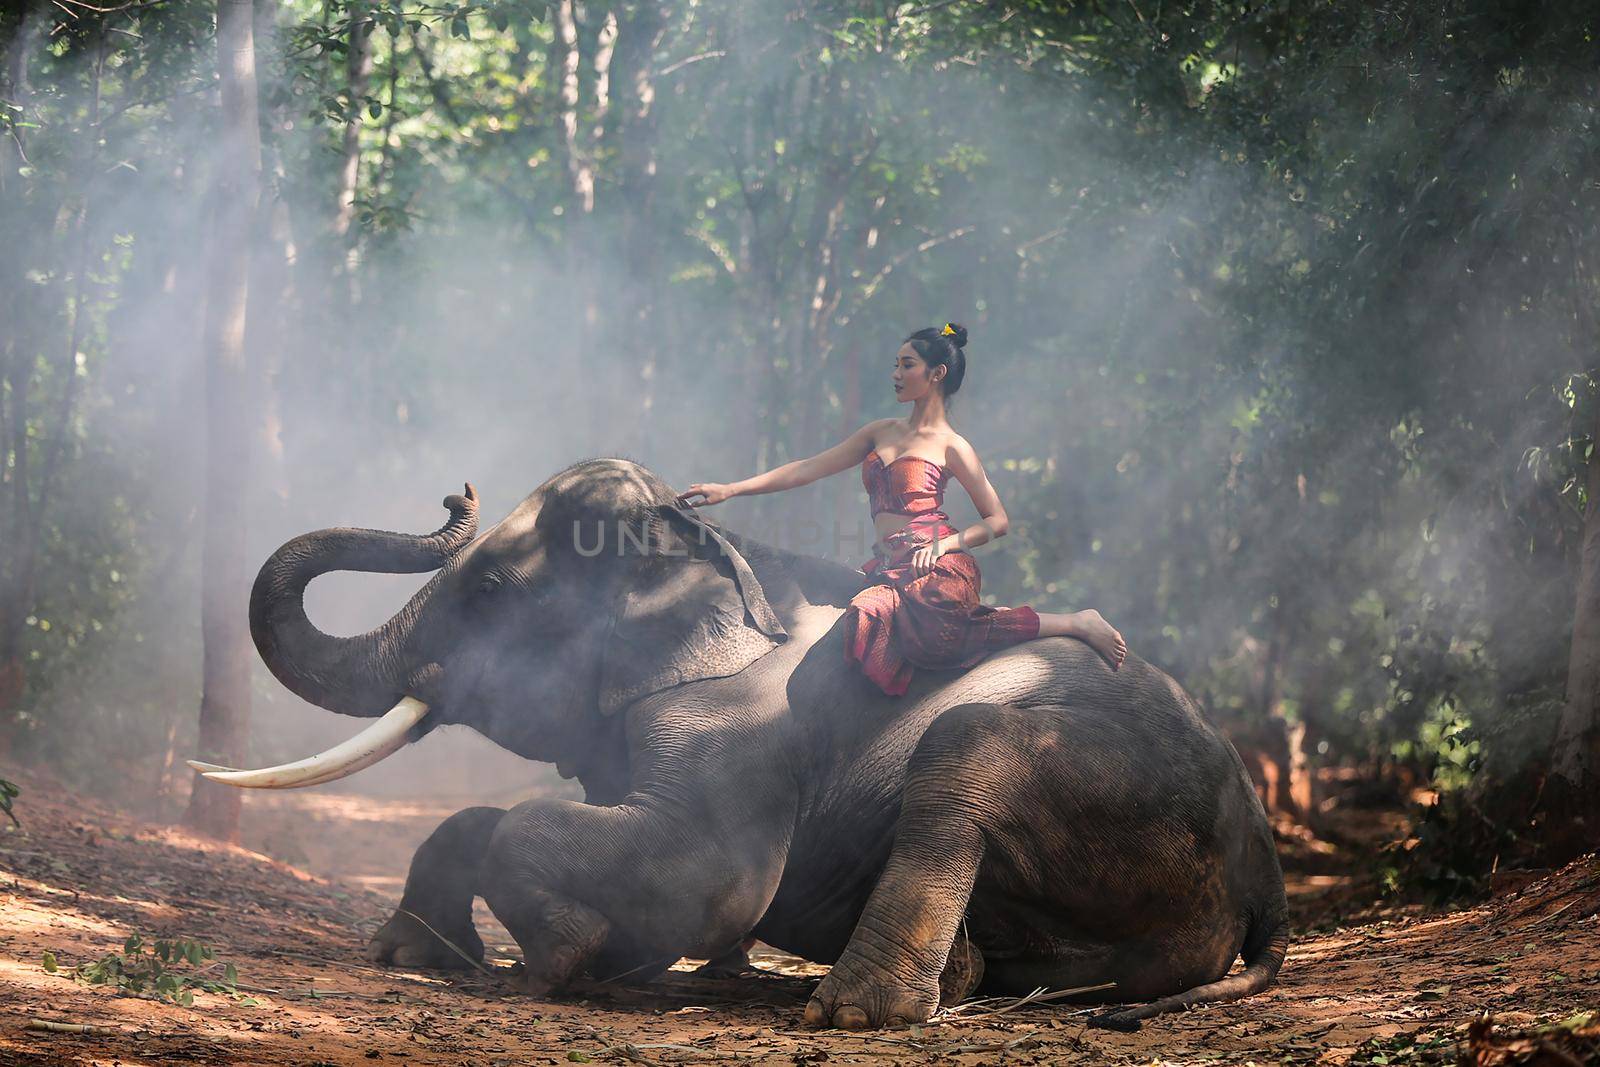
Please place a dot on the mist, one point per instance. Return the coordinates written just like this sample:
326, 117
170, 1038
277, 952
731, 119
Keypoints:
1278, 359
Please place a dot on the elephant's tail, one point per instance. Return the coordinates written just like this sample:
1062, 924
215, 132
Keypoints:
1265, 946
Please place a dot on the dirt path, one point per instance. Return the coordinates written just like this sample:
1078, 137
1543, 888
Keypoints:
80, 878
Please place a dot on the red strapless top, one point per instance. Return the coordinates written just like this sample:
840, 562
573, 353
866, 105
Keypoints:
910, 485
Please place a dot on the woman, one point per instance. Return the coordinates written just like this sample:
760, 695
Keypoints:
921, 607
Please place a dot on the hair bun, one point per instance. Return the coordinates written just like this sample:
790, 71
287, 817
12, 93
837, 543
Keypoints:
956, 332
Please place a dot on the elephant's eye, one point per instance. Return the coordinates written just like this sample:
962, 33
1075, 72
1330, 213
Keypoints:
488, 584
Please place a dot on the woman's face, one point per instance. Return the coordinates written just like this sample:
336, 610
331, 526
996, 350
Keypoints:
913, 379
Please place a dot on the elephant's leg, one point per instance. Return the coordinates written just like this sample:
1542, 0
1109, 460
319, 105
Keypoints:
439, 890
890, 971
576, 884
731, 964
1084, 873
969, 807
557, 934
963, 971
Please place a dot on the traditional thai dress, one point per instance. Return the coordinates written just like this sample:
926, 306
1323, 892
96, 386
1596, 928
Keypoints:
902, 621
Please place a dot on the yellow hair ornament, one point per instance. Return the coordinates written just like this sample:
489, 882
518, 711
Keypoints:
948, 331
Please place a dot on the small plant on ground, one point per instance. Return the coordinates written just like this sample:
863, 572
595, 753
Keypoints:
152, 969
8, 793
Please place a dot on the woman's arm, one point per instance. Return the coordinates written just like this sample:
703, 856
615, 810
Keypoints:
963, 461
847, 453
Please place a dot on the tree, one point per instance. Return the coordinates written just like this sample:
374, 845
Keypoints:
1573, 790
230, 428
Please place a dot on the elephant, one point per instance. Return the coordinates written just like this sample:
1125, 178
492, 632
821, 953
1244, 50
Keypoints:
1036, 819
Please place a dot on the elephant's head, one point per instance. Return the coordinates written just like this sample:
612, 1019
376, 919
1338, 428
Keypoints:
597, 590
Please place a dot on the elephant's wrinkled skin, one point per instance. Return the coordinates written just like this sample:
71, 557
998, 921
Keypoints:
1082, 825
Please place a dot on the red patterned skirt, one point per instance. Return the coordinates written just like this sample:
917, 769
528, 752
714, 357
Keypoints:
902, 621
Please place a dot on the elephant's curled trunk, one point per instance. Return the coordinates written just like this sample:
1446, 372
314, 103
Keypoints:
360, 675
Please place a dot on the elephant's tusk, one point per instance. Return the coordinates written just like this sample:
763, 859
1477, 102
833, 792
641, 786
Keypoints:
383, 738
203, 767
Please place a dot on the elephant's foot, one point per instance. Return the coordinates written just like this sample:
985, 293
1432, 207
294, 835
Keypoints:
855, 996
962, 972
1118, 1020
731, 964
558, 935
438, 894
405, 942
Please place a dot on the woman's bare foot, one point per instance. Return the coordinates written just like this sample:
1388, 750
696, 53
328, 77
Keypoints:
1090, 627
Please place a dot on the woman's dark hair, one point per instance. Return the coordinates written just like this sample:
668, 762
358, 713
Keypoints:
940, 348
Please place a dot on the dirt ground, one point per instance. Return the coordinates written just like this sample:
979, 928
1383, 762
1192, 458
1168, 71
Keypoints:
1363, 983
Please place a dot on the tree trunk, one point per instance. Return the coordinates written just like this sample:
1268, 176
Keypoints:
16, 355
271, 280
1572, 792
225, 574
1276, 747
358, 72
24, 534
638, 37
582, 149
579, 172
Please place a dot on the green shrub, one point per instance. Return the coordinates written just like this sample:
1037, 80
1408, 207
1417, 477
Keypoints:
148, 969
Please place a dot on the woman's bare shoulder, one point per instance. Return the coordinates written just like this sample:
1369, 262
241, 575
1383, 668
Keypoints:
956, 445
879, 430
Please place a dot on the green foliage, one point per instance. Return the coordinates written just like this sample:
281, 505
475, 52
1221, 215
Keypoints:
81, 431
163, 969
8, 793
1413, 1049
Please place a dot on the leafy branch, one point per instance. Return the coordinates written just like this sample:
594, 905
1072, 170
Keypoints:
8, 793
148, 969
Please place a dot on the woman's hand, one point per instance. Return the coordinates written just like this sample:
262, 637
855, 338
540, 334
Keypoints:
710, 492
923, 559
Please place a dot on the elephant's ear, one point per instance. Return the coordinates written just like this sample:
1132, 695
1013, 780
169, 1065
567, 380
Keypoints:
699, 613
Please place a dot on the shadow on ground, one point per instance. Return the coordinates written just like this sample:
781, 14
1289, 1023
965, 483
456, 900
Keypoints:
79, 878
